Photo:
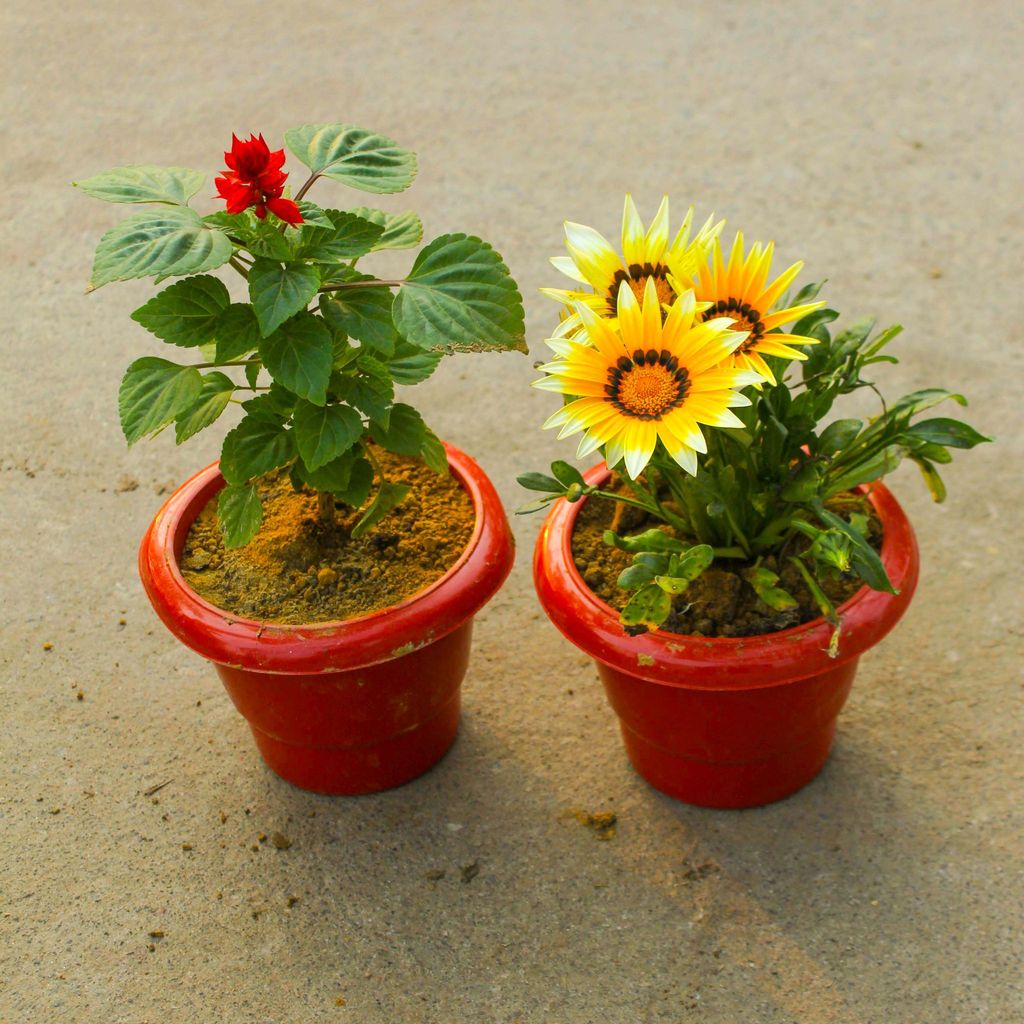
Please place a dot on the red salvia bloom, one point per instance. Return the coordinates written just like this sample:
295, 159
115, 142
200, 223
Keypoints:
255, 179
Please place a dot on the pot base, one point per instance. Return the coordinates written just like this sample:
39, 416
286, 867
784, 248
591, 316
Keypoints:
350, 771
724, 785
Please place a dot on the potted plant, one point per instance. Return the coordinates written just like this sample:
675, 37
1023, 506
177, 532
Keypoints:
331, 563
742, 554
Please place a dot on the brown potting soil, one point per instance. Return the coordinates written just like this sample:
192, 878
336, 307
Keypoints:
298, 570
720, 602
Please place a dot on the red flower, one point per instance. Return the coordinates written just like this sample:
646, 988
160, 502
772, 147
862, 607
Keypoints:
255, 179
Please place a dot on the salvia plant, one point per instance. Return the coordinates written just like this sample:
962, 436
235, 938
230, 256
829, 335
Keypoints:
314, 352
677, 365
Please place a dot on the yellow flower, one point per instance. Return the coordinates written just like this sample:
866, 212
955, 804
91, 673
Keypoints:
739, 290
646, 256
642, 378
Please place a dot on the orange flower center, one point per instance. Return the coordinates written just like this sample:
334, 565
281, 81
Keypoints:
637, 279
747, 319
648, 385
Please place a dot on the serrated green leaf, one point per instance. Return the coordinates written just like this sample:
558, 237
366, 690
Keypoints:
404, 433
299, 354
144, 183
434, 454
312, 215
355, 156
459, 296
647, 609
256, 446
153, 392
237, 332
348, 237
325, 432
372, 391
252, 372
401, 230
186, 313
412, 365
388, 496
212, 401
240, 512
360, 482
362, 313
163, 243
278, 291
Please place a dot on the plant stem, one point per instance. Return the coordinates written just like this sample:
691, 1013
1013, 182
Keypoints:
307, 185
338, 286
325, 508
239, 267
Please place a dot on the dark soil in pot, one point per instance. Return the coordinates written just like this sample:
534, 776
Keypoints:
720, 602
298, 570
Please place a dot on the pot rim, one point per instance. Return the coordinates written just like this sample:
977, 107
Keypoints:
338, 645
720, 663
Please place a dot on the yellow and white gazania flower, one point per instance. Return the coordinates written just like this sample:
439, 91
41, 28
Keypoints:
740, 290
637, 380
646, 256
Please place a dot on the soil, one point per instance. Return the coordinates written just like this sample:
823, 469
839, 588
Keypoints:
297, 570
720, 602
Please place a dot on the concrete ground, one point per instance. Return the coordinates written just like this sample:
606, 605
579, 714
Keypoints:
880, 143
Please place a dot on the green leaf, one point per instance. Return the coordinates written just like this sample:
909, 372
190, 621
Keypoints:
278, 292
653, 540
359, 483
388, 496
186, 313
540, 482
162, 243
434, 454
143, 183
635, 576
763, 582
411, 364
647, 609
837, 435
334, 477
873, 468
299, 355
355, 156
535, 506
936, 485
152, 393
866, 561
256, 446
401, 230
459, 296
212, 401
240, 512
804, 486
692, 562
918, 401
405, 432
567, 474
325, 432
313, 216
362, 313
349, 237
947, 432
237, 332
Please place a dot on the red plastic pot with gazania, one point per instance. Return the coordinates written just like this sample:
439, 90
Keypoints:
678, 371
370, 700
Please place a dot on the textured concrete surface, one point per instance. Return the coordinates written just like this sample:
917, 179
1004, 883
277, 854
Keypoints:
881, 143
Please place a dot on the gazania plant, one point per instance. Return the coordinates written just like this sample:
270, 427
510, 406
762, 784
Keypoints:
313, 347
709, 385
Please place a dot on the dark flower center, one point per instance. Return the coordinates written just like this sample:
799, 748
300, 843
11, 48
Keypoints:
649, 385
747, 319
637, 278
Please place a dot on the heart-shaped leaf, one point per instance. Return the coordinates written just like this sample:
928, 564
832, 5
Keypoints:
144, 183
355, 156
278, 291
186, 313
153, 392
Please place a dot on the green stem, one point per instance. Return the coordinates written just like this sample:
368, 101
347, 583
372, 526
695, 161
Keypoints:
307, 185
213, 366
239, 267
339, 286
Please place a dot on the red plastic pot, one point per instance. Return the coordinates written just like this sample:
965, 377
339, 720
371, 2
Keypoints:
724, 722
346, 707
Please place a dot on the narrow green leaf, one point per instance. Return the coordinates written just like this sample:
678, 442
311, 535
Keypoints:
866, 561
459, 296
837, 435
355, 156
152, 393
186, 313
949, 433
653, 540
873, 468
540, 482
212, 401
299, 354
566, 473
240, 512
401, 230
278, 291
936, 485
535, 506
256, 446
405, 433
388, 496
163, 243
144, 183
763, 582
237, 332
322, 433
